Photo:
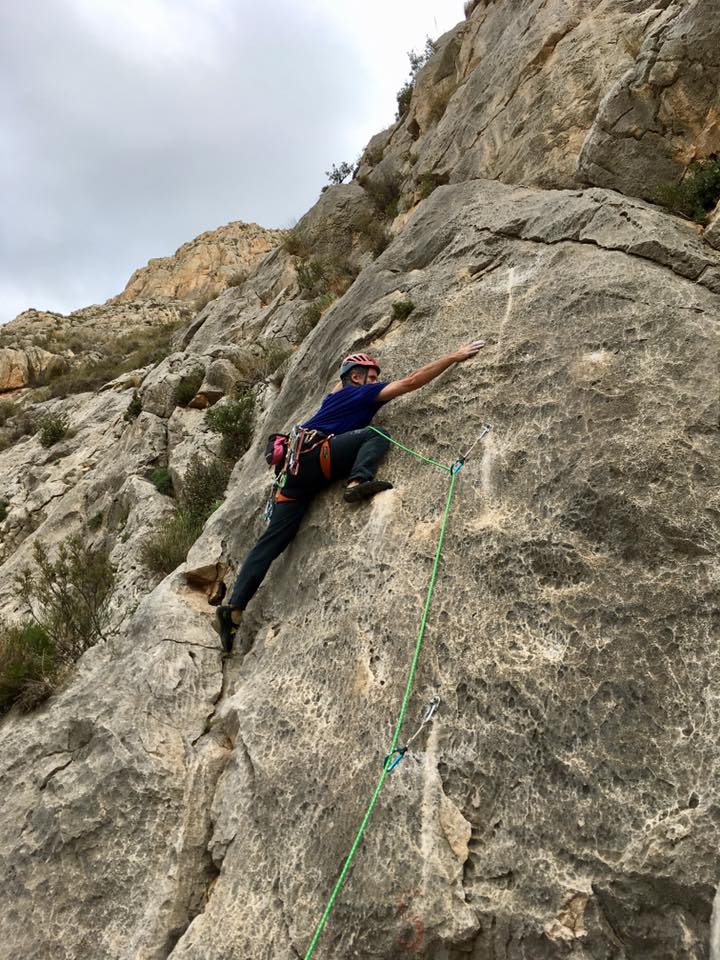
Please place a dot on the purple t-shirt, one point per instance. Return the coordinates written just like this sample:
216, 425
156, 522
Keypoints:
351, 408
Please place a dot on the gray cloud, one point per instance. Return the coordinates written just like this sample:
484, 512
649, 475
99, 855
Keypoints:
129, 128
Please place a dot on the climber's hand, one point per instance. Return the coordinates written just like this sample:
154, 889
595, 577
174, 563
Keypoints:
469, 350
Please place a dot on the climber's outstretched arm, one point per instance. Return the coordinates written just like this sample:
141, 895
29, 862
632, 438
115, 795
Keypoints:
427, 373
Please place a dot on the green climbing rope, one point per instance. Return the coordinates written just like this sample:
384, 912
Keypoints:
403, 708
414, 453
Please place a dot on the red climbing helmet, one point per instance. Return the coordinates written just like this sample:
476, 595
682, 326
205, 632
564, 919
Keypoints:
358, 360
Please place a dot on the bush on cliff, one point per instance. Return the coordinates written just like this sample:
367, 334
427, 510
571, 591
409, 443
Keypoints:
68, 596
697, 193
7, 410
265, 361
67, 602
234, 422
203, 489
188, 386
417, 62
28, 666
116, 356
51, 430
134, 408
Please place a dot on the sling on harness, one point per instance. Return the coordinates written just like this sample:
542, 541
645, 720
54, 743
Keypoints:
284, 452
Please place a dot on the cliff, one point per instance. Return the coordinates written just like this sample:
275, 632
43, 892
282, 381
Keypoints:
168, 803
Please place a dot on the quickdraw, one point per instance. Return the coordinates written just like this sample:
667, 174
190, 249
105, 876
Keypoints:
401, 751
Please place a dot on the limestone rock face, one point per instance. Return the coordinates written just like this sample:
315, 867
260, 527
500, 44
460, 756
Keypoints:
621, 95
20, 368
168, 803
513, 92
331, 225
554, 641
205, 265
664, 111
558, 802
712, 230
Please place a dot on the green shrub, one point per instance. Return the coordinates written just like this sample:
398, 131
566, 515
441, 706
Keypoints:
188, 386
28, 666
337, 175
402, 309
428, 183
237, 279
296, 243
375, 232
142, 349
204, 483
168, 545
319, 276
234, 422
697, 193
417, 62
385, 194
202, 493
68, 597
3, 509
202, 301
262, 361
95, 522
311, 277
134, 407
162, 481
7, 410
310, 317
404, 96
271, 361
52, 429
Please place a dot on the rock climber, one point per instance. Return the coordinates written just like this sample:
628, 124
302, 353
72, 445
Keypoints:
336, 442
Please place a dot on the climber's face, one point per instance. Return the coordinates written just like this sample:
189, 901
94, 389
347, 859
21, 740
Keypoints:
364, 375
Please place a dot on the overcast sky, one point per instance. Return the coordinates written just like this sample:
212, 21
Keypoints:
128, 127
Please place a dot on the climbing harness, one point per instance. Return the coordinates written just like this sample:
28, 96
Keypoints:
401, 751
395, 754
296, 445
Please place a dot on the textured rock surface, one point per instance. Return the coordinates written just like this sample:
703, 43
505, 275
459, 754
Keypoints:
564, 802
514, 91
712, 231
205, 265
664, 112
20, 368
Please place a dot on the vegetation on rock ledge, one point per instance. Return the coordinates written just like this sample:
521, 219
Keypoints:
202, 493
698, 192
67, 602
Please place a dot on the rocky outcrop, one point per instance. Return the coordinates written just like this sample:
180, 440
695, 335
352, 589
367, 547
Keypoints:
205, 266
571, 681
21, 368
664, 112
169, 804
561, 95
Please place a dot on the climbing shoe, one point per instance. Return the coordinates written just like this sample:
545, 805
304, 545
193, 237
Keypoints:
365, 490
227, 628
